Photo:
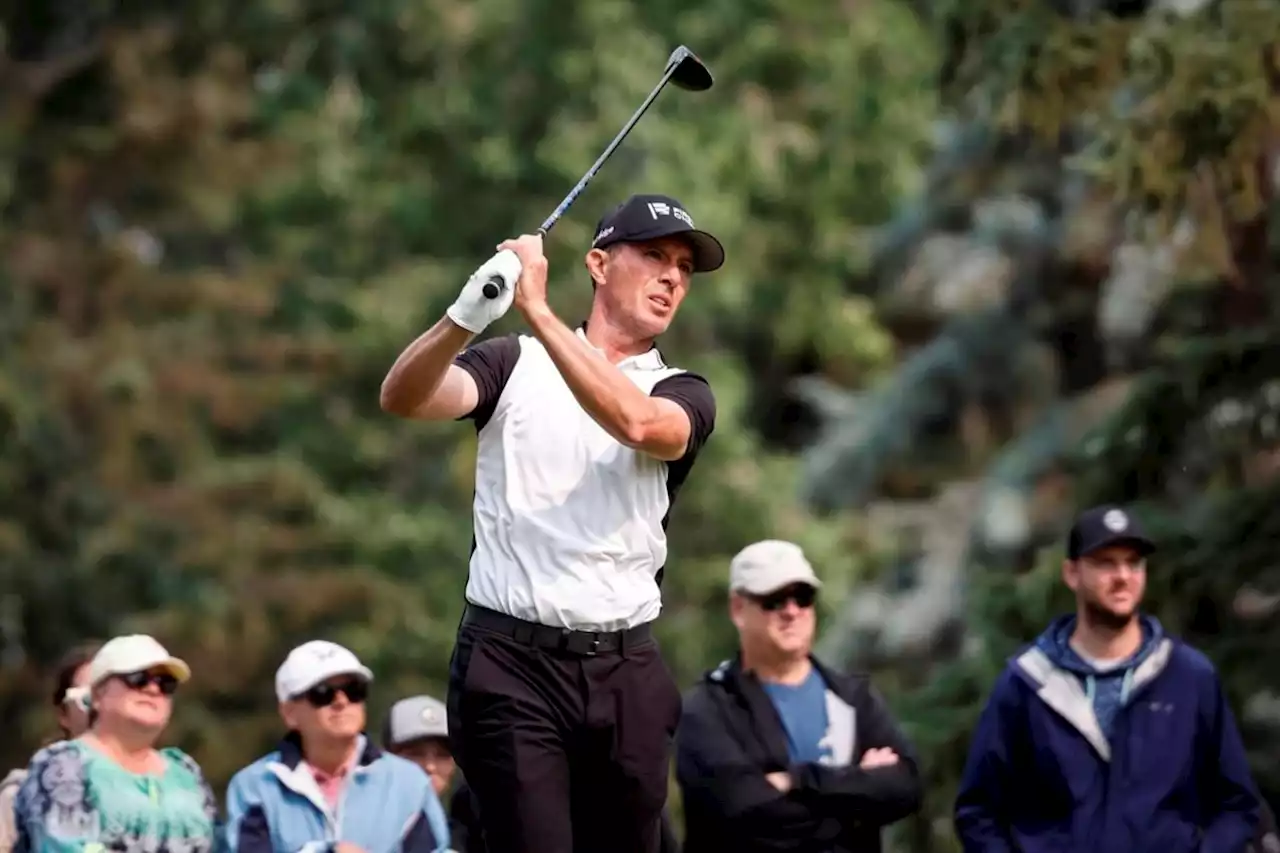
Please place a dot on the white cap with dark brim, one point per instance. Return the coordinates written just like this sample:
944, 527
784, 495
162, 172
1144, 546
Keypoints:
134, 653
313, 663
768, 566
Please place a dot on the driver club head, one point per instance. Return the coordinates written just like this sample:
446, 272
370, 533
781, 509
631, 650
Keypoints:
689, 72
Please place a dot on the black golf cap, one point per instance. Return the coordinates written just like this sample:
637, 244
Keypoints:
648, 217
1103, 526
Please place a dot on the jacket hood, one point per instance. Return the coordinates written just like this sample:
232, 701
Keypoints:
1056, 643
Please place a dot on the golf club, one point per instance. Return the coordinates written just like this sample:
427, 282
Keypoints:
686, 71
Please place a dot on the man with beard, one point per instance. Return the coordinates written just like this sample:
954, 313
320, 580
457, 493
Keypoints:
1106, 735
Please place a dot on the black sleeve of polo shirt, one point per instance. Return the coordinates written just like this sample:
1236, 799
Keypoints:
693, 394
490, 364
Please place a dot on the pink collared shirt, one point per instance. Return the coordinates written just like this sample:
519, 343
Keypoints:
331, 784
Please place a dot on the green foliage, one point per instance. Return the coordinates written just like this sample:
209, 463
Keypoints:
1176, 106
223, 222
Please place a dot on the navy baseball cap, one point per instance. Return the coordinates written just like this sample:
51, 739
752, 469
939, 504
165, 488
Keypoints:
1103, 526
648, 217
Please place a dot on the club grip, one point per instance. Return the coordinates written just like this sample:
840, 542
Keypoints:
493, 286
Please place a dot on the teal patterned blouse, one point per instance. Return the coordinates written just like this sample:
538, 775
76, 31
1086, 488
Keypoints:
77, 799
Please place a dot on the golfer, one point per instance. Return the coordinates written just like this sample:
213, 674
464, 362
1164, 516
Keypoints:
561, 710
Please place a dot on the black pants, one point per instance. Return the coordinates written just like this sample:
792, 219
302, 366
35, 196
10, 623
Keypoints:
564, 738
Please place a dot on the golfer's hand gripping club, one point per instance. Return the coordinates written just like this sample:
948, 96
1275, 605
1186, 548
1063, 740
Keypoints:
493, 286
475, 308
497, 284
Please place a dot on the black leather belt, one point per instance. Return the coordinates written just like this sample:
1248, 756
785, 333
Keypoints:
586, 643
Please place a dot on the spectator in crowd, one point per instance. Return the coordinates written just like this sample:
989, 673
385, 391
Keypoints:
417, 728
71, 708
327, 785
775, 751
1105, 734
110, 788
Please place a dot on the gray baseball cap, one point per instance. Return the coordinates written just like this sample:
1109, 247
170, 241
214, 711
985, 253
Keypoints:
415, 718
768, 566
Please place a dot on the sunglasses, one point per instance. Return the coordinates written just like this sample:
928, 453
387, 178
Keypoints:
803, 596
322, 695
167, 684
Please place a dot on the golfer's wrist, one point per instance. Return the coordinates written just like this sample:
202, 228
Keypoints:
466, 317
540, 317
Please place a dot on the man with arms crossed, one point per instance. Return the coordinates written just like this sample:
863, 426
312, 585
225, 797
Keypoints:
775, 751
561, 710
1105, 735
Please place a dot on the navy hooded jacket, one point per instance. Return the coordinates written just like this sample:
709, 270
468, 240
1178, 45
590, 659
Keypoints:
1143, 758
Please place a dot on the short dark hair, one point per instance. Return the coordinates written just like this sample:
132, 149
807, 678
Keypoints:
68, 666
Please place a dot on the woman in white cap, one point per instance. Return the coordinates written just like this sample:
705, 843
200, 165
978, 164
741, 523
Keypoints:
111, 788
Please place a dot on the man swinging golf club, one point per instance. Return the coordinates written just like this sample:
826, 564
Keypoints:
561, 710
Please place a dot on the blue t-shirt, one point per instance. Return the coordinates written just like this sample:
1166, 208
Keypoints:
803, 709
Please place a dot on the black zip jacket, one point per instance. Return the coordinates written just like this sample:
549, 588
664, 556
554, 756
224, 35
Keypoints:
730, 736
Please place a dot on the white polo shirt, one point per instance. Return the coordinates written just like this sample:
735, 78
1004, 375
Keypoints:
570, 525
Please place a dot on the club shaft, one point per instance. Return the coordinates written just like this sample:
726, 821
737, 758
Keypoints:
495, 284
569, 199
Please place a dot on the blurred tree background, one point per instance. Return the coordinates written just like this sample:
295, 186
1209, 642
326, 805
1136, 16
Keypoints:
989, 260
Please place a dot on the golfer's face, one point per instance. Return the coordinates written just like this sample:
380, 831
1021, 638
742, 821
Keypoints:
649, 281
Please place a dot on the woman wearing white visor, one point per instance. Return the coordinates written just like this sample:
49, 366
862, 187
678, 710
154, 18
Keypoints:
111, 788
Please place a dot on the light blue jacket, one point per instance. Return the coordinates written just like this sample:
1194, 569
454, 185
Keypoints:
387, 806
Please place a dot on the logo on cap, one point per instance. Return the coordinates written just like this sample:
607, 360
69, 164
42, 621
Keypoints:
429, 715
661, 207
1115, 520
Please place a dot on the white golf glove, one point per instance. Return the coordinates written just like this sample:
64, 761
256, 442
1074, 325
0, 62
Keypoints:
472, 310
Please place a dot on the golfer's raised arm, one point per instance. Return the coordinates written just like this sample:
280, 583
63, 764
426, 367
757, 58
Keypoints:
651, 423
425, 383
